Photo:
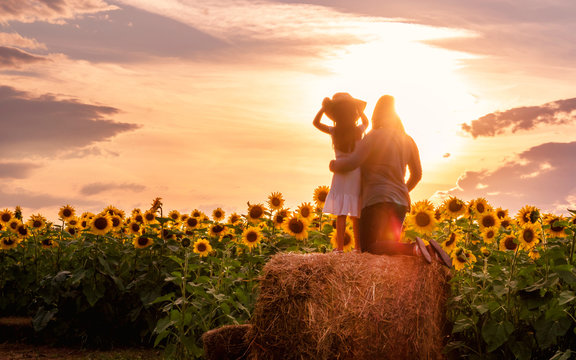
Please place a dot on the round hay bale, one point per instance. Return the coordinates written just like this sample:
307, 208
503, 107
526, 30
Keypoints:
349, 306
226, 343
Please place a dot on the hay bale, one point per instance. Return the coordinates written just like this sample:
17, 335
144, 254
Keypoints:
349, 306
226, 343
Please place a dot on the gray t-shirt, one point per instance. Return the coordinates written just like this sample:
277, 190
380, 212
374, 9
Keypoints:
383, 156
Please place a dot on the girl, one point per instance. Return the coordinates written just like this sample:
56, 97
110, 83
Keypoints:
344, 196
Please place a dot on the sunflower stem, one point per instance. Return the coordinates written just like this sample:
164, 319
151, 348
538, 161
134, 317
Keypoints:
512, 266
572, 248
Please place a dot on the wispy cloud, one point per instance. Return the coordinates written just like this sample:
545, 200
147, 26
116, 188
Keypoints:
14, 58
16, 170
542, 176
49, 10
98, 187
47, 125
16, 40
523, 118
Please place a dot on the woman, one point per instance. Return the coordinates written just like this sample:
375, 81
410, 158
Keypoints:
383, 155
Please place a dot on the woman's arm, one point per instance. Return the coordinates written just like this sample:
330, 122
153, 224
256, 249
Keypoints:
414, 166
318, 117
355, 159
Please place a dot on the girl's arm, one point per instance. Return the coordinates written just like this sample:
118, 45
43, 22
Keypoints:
318, 124
355, 159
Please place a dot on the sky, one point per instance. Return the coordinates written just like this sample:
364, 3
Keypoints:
209, 103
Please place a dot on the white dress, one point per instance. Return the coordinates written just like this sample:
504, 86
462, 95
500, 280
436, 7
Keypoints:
344, 196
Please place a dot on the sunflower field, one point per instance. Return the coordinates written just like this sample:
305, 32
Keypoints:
163, 278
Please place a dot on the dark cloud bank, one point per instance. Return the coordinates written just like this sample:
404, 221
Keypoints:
98, 187
46, 125
542, 176
523, 118
14, 58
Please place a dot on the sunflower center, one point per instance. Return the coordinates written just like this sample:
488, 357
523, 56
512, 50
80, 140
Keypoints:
115, 221
251, 237
218, 214
47, 242
22, 230
256, 212
13, 225
322, 196
423, 219
534, 216
276, 202
555, 226
217, 228
451, 239
185, 242
6, 217
66, 213
36, 224
509, 243
505, 224
528, 236
279, 219
143, 241
490, 234
149, 217
305, 212
192, 222
488, 221
201, 247
480, 207
8, 241
454, 206
296, 226
72, 231
101, 223
501, 214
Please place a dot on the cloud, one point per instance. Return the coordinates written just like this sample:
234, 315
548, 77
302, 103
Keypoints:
523, 118
46, 125
49, 10
14, 170
126, 34
98, 187
12, 57
34, 200
542, 176
17, 40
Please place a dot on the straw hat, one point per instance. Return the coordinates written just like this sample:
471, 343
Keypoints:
342, 102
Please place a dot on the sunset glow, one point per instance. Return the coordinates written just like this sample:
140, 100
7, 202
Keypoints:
210, 103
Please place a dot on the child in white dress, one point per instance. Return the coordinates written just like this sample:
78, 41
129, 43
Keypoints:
344, 196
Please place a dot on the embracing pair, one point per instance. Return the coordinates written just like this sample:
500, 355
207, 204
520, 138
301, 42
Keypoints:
369, 184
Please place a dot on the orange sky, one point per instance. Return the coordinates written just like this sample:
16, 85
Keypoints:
210, 103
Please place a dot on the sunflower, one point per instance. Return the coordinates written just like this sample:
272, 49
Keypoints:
138, 217
501, 213
508, 243
196, 213
556, 224
506, 222
422, 219
487, 220
134, 227
452, 241
462, 258
191, 223
217, 230
528, 214
296, 226
8, 242
485, 251
13, 224
85, 222
150, 217
72, 230
306, 211
117, 221
454, 207
252, 236
479, 206
142, 241
422, 205
275, 201
320, 194
156, 204
36, 222
218, 214
279, 217
112, 210
48, 243
234, 219
166, 234
185, 242
22, 231
66, 212
255, 212
202, 247
73, 221
528, 235
489, 234
349, 241
6, 215
174, 215
100, 224
534, 254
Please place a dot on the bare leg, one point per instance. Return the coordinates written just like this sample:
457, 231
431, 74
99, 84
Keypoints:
340, 231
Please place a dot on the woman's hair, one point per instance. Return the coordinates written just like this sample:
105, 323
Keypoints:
385, 116
345, 133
